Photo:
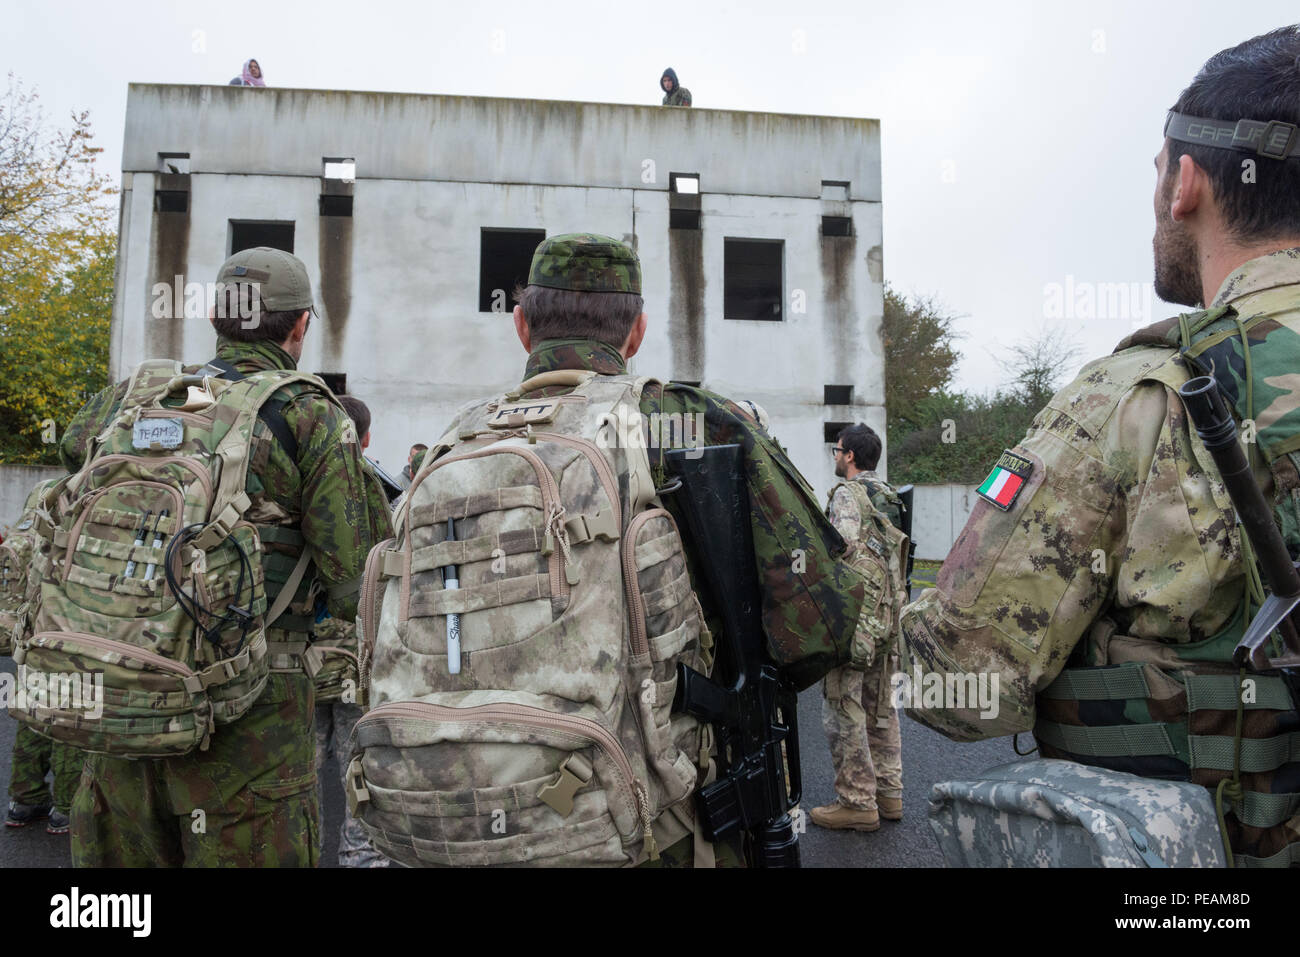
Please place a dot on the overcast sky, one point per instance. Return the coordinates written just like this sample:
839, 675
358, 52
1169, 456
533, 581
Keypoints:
1018, 136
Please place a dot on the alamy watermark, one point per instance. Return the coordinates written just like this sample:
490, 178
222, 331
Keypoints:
947, 691
53, 689
1131, 302
629, 428
179, 299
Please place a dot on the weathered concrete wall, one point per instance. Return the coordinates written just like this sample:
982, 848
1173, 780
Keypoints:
941, 512
16, 481
399, 303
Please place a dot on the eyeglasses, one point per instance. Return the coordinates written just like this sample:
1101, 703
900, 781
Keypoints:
837, 450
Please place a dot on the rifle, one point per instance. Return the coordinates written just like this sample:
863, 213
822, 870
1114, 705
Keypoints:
392, 487
1218, 430
754, 714
905, 495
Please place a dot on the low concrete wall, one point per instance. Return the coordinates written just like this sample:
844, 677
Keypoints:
15, 482
940, 515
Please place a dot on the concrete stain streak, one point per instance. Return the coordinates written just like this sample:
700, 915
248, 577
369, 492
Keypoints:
335, 286
686, 303
840, 326
170, 255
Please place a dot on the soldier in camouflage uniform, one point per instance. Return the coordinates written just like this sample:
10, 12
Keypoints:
674, 93
1101, 577
600, 279
858, 712
250, 799
34, 756
335, 719
30, 799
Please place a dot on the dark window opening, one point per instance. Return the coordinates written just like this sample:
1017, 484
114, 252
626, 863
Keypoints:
837, 226
335, 205
505, 256
247, 234
831, 431
174, 163
172, 201
683, 219
837, 395
751, 279
337, 381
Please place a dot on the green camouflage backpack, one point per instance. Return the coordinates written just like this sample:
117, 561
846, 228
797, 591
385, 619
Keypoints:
880, 554
547, 738
22, 562
155, 595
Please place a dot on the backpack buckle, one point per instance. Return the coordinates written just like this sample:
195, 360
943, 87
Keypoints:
575, 772
585, 528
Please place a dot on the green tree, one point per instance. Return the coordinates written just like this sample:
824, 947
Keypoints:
57, 262
920, 356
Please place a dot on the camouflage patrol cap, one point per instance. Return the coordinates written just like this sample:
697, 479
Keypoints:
585, 262
279, 277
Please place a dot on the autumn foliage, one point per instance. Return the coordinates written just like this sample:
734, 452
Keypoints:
57, 259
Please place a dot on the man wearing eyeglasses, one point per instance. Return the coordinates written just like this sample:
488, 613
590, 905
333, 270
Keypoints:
858, 716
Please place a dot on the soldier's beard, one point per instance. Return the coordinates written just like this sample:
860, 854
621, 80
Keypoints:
839, 470
1178, 276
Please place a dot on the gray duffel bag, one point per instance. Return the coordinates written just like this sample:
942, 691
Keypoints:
1049, 813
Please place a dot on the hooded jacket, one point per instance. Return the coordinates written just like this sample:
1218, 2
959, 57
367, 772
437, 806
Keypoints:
678, 95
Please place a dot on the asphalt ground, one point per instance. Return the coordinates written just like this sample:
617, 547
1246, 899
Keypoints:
927, 757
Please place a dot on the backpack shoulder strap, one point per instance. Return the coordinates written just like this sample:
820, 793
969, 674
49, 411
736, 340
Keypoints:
271, 412
230, 501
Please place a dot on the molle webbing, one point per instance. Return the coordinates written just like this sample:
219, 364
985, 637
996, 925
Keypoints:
1135, 742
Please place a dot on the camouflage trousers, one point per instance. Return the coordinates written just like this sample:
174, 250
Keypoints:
34, 757
334, 723
868, 758
248, 801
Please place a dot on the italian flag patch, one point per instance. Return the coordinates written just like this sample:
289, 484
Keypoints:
1008, 477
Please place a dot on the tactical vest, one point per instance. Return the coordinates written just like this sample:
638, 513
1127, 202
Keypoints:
1176, 714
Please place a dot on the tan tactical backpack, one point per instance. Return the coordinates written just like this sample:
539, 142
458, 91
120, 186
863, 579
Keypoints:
551, 740
880, 554
153, 609
22, 563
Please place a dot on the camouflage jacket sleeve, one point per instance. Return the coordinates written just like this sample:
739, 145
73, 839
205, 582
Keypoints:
1117, 523
343, 514
91, 420
845, 515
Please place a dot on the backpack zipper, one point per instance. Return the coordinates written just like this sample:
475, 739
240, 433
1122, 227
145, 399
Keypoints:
369, 590
525, 715
121, 648
636, 604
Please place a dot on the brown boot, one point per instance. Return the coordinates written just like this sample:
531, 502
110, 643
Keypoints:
891, 808
837, 817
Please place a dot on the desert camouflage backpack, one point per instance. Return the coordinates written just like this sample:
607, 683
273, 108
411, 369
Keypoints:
541, 731
22, 562
155, 596
880, 554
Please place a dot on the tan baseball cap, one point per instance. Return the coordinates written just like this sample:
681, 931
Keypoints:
278, 279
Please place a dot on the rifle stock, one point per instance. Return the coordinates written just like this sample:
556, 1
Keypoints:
1218, 431
753, 711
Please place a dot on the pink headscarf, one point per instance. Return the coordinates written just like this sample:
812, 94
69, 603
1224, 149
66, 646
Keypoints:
247, 76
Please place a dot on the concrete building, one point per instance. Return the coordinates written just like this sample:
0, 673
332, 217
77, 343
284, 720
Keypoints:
759, 236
